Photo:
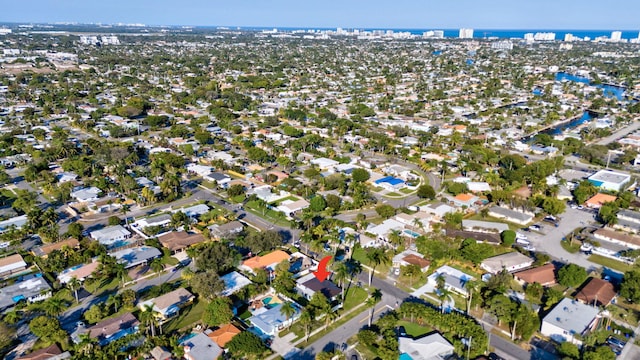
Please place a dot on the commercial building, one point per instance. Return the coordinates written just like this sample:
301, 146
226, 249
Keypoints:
465, 33
611, 180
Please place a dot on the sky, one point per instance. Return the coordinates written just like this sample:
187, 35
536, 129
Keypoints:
402, 14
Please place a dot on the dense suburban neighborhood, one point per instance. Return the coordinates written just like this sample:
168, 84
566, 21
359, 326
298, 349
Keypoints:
171, 193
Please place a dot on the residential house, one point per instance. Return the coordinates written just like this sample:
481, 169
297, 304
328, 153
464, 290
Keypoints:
195, 211
80, 272
475, 186
51, 352
439, 210
390, 183
271, 321
628, 220
86, 194
44, 250
160, 353
221, 179
511, 262
229, 229
596, 292
429, 347
382, 230
454, 279
324, 163
201, 347
268, 261
464, 200
290, 207
544, 275
177, 241
199, 170
16, 222
11, 265
113, 329
410, 257
224, 334
136, 256
111, 235
616, 237
569, 318
169, 304
309, 284
32, 288
596, 201
233, 282
510, 215
484, 226
64, 177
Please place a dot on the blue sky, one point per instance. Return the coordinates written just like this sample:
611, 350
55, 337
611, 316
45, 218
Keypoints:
488, 14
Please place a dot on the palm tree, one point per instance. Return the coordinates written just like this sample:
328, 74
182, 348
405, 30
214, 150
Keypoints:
306, 319
395, 237
329, 315
471, 286
156, 265
371, 302
54, 306
115, 301
148, 195
124, 209
340, 274
376, 257
148, 317
86, 344
288, 310
442, 290
74, 285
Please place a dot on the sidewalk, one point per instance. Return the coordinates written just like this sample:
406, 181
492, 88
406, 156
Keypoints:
293, 349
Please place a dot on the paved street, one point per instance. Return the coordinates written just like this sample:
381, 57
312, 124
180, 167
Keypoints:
548, 239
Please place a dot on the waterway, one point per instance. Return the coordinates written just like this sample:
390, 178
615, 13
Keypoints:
560, 128
608, 90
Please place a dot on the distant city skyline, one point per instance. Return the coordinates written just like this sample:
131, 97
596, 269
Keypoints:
401, 14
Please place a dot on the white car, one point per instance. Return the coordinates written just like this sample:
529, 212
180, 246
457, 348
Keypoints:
523, 242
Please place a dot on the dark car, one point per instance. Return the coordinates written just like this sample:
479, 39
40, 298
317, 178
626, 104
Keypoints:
494, 356
354, 357
402, 331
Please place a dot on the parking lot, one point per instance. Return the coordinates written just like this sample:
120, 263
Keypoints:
547, 239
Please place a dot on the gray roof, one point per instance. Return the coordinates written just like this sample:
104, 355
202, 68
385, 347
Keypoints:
572, 316
201, 347
510, 213
218, 176
31, 286
136, 256
488, 225
110, 234
610, 177
631, 215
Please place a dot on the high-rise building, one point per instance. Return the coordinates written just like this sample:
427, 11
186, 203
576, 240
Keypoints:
528, 37
466, 34
544, 36
502, 45
110, 40
616, 36
569, 37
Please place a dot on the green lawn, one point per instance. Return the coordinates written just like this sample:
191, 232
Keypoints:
187, 317
291, 197
414, 329
355, 297
610, 263
273, 216
572, 248
360, 255
209, 185
393, 194
98, 286
406, 191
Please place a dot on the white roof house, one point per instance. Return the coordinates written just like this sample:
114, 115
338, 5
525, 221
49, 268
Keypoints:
110, 234
136, 256
12, 264
510, 215
233, 282
200, 170
289, 207
484, 226
324, 163
454, 279
195, 210
86, 194
430, 347
511, 262
569, 318
18, 222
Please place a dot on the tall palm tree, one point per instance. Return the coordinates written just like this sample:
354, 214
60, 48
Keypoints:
471, 286
442, 290
288, 310
148, 317
329, 315
340, 274
306, 319
371, 302
74, 285
376, 257
115, 301
156, 265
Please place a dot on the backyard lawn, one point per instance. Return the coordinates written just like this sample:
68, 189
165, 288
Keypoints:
610, 263
187, 317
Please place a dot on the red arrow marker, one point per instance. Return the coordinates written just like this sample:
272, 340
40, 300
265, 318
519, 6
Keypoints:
322, 273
